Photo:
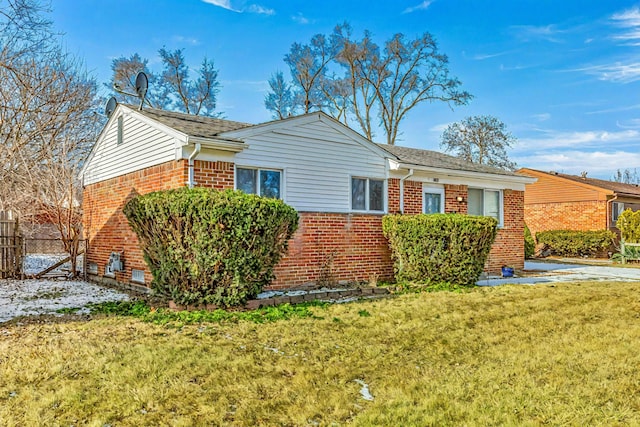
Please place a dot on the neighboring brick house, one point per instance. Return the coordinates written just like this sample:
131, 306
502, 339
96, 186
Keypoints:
340, 183
558, 201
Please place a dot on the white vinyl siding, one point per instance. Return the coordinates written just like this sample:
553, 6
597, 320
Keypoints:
141, 146
318, 162
485, 202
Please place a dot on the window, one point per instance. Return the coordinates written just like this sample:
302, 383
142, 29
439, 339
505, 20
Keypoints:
120, 130
616, 209
265, 182
485, 203
367, 194
433, 200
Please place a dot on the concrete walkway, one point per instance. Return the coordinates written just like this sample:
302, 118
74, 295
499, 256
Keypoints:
549, 272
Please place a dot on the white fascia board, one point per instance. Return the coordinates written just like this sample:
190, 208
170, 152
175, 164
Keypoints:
218, 144
515, 179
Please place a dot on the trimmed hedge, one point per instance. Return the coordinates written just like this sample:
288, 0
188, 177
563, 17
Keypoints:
439, 248
576, 243
205, 246
529, 244
629, 225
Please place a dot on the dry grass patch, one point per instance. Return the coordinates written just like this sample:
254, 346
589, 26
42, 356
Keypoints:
562, 354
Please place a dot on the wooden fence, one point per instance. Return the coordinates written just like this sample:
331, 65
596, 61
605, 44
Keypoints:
10, 246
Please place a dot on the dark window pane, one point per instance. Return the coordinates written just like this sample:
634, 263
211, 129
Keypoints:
270, 184
376, 195
475, 202
246, 180
358, 189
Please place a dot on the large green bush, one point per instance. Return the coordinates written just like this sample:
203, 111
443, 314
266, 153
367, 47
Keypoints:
629, 225
210, 247
576, 243
529, 244
439, 248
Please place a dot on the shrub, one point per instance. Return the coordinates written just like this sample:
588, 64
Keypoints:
529, 243
210, 247
439, 248
629, 225
576, 243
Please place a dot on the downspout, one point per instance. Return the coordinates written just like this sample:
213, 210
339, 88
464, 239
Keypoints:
609, 215
402, 189
191, 182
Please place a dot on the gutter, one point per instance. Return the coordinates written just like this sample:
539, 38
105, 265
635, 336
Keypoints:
402, 189
191, 182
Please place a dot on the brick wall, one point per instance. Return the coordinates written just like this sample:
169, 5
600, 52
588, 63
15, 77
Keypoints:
588, 215
105, 225
451, 194
412, 197
218, 175
332, 248
508, 248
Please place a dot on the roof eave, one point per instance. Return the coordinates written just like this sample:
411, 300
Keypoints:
222, 144
464, 174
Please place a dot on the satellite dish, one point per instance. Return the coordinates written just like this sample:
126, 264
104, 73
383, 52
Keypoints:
142, 84
111, 106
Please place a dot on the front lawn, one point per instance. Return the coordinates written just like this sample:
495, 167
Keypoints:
563, 354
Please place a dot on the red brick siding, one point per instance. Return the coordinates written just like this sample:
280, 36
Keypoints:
587, 215
335, 248
393, 191
105, 225
451, 203
412, 197
508, 248
218, 175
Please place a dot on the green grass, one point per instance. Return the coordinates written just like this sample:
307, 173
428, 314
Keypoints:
564, 354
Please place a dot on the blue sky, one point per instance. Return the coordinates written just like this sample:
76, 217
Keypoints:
563, 75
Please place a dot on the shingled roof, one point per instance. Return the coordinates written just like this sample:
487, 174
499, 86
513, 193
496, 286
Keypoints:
616, 187
434, 159
196, 126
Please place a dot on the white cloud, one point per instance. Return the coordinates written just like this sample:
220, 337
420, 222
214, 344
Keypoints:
541, 32
439, 128
619, 72
225, 4
300, 19
252, 8
483, 56
188, 40
550, 140
599, 164
543, 117
422, 6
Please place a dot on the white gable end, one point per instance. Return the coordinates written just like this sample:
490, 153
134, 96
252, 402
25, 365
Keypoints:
142, 145
318, 160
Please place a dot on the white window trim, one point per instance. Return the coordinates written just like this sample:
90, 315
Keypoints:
500, 201
257, 168
432, 189
366, 199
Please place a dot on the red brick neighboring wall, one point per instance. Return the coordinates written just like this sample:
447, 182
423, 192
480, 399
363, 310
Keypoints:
412, 197
331, 248
451, 194
588, 215
105, 225
508, 248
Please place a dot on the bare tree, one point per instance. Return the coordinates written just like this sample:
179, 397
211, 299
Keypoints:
480, 139
47, 121
280, 99
626, 176
173, 88
374, 85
